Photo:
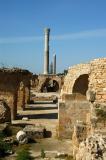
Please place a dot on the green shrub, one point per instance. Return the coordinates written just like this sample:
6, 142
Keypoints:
4, 148
1, 136
43, 155
23, 153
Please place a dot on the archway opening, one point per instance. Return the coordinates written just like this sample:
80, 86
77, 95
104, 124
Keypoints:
50, 86
81, 85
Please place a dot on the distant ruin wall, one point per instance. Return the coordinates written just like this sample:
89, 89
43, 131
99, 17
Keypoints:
39, 82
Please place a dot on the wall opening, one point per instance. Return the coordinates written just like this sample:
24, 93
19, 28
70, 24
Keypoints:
50, 86
81, 85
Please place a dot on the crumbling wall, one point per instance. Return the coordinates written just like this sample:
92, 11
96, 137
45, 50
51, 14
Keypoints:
74, 108
92, 148
79, 135
23, 93
97, 78
5, 114
79, 108
73, 105
21, 96
10, 87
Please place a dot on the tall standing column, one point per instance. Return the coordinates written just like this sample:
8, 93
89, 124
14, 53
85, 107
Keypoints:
51, 68
54, 64
46, 51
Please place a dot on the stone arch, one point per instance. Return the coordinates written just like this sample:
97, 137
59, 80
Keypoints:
73, 74
81, 85
50, 85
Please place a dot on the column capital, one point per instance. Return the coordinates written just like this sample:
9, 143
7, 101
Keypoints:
47, 30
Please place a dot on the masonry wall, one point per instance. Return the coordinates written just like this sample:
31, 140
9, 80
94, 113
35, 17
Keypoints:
40, 81
8, 97
96, 70
10, 88
74, 109
97, 78
74, 72
23, 93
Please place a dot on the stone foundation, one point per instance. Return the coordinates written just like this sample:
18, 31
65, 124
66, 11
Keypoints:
71, 111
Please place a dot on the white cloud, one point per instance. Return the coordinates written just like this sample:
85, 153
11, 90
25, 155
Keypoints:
82, 35
68, 36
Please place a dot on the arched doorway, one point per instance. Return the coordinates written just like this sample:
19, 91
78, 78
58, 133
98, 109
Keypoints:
81, 84
50, 86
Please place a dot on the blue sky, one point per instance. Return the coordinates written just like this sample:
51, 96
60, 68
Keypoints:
78, 32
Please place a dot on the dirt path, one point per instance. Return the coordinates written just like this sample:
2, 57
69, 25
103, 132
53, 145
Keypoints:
40, 114
51, 147
45, 114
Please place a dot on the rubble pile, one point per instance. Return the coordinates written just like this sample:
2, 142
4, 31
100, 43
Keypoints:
93, 148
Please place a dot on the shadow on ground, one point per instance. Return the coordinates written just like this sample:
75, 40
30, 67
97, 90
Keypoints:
41, 102
40, 116
40, 108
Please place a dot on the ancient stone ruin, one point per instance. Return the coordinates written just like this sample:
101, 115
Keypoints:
73, 105
94, 147
81, 106
47, 83
82, 109
15, 88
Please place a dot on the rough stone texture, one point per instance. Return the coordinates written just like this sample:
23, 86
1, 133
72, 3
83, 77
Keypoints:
73, 74
90, 95
97, 78
79, 135
81, 79
42, 80
10, 80
5, 114
71, 111
96, 71
93, 148
34, 81
34, 131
